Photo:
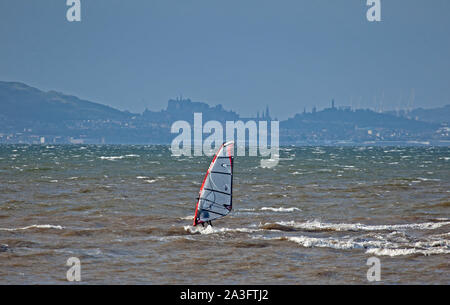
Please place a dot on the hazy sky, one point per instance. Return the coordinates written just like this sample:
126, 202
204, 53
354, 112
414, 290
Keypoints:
244, 54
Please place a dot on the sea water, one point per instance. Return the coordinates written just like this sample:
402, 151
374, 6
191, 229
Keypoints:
316, 218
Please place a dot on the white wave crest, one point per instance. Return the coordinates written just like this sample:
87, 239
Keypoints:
213, 230
400, 252
280, 209
317, 225
246, 210
375, 247
341, 244
114, 158
189, 217
33, 227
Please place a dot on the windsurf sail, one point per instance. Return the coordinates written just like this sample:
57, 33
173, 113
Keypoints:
216, 192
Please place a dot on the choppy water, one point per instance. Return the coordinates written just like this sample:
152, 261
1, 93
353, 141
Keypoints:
126, 213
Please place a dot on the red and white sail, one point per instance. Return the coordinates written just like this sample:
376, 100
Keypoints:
215, 197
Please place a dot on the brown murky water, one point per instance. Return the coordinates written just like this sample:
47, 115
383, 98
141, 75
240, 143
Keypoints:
126, 213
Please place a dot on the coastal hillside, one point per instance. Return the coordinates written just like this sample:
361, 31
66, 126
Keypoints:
19, 101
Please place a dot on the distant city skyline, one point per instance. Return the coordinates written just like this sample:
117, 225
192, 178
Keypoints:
246, 55
29, 115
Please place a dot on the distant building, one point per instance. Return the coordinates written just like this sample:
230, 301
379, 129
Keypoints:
76, 141
267, 116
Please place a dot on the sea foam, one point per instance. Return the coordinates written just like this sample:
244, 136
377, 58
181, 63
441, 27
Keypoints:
317, 225
33, 227
213, 230
280, 209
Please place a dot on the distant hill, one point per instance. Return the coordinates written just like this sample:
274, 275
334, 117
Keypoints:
360, 118
19, 101
356, 126
434, 115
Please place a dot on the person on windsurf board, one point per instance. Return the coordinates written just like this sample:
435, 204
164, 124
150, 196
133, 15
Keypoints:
215, 195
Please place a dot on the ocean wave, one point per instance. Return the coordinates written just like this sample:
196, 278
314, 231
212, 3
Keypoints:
401, 252
246, 210
276, 227
114, 158
428, 179
212, 230
33, 227
447, 234
375, 247
190, 217
320, 226
334, 243
280, 209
